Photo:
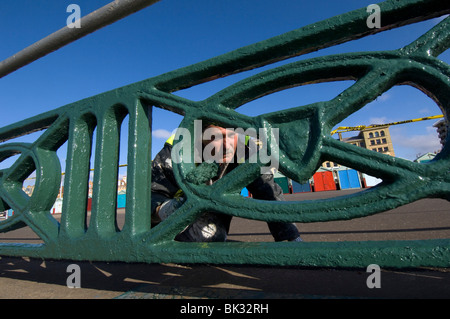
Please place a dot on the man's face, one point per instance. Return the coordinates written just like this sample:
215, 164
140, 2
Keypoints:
219, 139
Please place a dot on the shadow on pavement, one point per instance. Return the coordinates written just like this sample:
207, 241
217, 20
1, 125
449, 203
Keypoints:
32, 278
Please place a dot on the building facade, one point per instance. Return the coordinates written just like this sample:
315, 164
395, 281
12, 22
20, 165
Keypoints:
377, 139
442, 129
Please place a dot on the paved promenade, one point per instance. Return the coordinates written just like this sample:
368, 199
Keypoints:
430, 218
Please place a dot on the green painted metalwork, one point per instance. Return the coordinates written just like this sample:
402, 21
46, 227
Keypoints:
308, 126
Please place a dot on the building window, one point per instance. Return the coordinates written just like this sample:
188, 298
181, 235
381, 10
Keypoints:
378, 141
370, 135
377, 134
386, 149
372, 142
384, 140
382, 133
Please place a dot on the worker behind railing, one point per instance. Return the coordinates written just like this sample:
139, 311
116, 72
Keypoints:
212, 226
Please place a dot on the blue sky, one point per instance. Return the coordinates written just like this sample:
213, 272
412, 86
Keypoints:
176, 33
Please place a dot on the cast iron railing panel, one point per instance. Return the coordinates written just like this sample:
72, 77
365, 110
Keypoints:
304, 143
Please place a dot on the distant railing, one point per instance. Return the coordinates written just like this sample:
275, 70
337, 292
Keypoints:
304, 142
100, 18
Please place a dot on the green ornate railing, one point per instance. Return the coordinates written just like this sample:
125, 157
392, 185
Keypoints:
304, 143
